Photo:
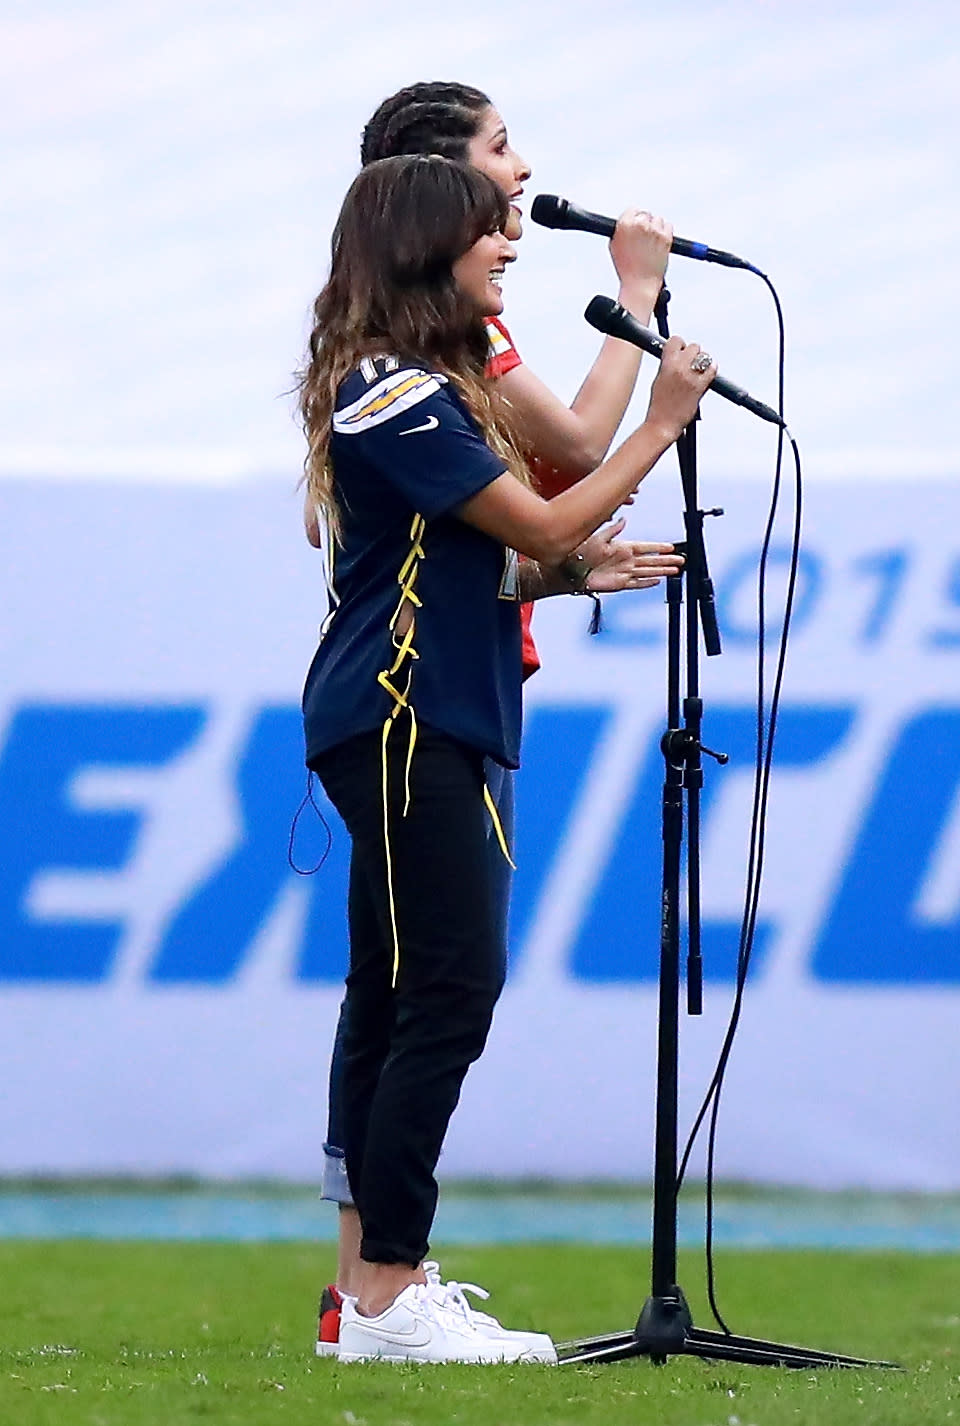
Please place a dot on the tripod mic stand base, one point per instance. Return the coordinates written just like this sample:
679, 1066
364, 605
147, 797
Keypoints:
665, 1329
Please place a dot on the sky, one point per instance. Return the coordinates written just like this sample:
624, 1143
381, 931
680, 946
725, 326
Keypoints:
172, 173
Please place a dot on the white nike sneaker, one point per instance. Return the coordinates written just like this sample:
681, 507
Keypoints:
452, 1296
427, 1323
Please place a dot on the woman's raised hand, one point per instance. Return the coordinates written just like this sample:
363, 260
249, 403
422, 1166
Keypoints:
685, 374
640, 248
626, 564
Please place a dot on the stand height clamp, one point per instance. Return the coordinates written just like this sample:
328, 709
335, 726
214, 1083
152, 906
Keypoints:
680, 745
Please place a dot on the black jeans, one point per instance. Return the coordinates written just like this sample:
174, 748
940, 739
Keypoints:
407, 1046
500, 783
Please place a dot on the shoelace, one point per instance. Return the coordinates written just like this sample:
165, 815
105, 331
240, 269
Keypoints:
452, 1295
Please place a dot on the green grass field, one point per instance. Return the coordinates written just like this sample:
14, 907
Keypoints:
137, 1334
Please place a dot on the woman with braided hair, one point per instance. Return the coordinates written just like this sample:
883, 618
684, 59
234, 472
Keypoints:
566, 443
462, 123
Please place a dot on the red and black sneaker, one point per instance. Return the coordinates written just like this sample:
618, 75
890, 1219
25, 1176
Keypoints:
328, 1322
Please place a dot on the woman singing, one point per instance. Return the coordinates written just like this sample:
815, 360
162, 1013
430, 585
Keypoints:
417, 679
562, 445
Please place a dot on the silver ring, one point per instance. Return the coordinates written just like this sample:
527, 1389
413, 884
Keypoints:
701, 362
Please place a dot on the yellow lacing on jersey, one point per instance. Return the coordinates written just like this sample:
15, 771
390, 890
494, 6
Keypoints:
405, 654
497, 825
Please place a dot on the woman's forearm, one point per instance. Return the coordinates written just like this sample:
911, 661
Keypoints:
576, 438
602, 401
569, 518
547, 530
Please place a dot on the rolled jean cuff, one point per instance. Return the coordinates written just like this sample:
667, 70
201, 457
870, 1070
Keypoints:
372, 1250
334, 1185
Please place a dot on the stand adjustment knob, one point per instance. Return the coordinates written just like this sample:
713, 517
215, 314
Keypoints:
679, 745
720, 757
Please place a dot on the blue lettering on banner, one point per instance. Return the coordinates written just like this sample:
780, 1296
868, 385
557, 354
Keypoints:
635, 620
889, 569
948, 636
619, 938
46, 747
558, 747
742, 575
208, 938
874, 932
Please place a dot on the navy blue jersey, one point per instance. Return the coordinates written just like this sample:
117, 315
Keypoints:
406, 454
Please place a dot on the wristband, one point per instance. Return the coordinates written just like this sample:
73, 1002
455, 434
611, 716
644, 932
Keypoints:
576, 571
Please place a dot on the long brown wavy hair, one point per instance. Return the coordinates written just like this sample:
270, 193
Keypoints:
391, 292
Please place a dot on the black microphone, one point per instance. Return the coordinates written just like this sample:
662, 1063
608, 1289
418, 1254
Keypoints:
554, 212
615, 321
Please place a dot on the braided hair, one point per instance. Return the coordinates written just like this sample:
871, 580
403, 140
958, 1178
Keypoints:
431, 117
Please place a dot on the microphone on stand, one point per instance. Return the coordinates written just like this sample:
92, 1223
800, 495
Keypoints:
553, 212
615, 321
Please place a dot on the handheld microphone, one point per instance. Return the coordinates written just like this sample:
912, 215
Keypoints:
553, 212
615, 321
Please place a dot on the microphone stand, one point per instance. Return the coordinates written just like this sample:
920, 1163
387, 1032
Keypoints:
665, 1326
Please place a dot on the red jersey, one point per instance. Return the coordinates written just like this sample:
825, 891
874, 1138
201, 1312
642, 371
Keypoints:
548, 480
503, 354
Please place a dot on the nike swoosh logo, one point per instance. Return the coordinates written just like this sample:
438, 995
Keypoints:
430, 424
418, 1336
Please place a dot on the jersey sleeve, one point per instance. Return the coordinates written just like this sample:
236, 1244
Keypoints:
411, 429
503, 354
548, 480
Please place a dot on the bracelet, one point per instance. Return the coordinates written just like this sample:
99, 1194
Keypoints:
576, 571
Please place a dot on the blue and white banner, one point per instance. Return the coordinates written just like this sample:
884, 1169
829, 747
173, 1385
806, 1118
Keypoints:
168, 986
